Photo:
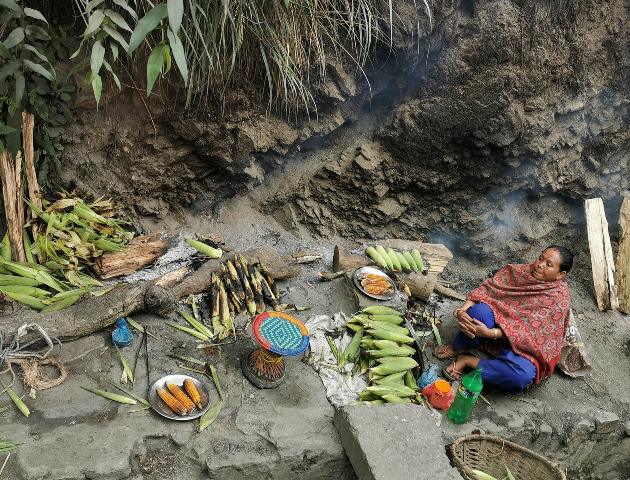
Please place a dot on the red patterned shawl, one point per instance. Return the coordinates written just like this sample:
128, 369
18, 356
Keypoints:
533, 314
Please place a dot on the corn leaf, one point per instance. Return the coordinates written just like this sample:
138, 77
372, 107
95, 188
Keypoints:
211, 415
190, 331
17, 400
125, 366
131, 394
112, 396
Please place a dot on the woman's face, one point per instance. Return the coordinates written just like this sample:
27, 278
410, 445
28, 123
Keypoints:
547, 267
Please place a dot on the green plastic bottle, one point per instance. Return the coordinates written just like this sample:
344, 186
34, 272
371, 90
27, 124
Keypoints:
466, 396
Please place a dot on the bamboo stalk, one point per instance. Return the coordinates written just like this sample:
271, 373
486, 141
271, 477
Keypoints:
10, 194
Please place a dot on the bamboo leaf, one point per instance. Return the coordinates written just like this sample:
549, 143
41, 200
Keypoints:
92, 4
154, 65
31, 12
97, 85
94, 23
98, 54
180, 56
4, 51
118, 37
10, 4
125, 5
15, 37
39, 69
31, 48
175, 14
39, 32
146, 25
20, 83
117, 19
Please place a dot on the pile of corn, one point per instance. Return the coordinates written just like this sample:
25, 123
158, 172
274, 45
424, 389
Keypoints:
385, 354
69, 236
239, 288
397, 261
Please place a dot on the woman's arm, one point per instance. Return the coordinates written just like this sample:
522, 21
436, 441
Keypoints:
471, 327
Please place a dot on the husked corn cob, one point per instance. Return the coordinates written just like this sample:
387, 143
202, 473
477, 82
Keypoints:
410, 261
374, 255
403, 262
418, 259
172, 402
179, 394
394, 378
192, 392
381, 251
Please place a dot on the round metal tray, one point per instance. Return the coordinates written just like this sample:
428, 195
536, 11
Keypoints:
373, 271
163, 409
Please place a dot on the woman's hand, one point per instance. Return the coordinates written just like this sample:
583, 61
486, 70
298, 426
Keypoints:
471, 327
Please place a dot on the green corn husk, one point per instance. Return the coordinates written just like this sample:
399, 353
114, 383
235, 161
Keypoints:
401, 364
190, 331
387, 326
393, 319
398, 390
61, 304
392, 336
112, 396
354, 327
200, 327
391, 398
205, 249
17, 280
394, 378
403, 351
381, 310
5, 248
383, 344
353, 347
25, 290
125, 365
8, 446
17, 400
410, 380
131, 394
27, 300
370, 343
211, 415
27, 246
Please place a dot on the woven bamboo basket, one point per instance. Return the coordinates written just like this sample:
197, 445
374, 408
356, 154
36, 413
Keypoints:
490, 454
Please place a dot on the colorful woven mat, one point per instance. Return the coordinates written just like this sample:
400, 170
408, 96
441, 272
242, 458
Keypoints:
280, 333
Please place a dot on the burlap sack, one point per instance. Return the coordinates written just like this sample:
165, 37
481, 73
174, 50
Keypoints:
573, 358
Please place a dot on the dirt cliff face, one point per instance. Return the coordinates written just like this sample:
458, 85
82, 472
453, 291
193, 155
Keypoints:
492, 128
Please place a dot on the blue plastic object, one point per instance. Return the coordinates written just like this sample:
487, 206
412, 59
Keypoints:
122, 336
428, 377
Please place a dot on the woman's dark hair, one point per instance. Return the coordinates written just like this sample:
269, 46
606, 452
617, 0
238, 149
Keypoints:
566, 257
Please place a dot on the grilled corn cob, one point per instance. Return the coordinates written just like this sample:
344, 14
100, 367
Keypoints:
172, 402
266, 289
179, 394
235, 279
241, 268
257, 291
269, 278
232, 287
192, 392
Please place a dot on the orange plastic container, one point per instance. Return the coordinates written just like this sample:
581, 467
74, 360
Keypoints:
440, 394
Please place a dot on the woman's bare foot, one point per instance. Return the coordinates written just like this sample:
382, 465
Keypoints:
456, 369
447, 351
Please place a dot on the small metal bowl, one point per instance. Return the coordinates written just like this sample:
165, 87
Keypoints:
374, 271
163, 409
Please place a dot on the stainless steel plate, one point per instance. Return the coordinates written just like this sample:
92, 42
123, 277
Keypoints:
163, 409
373, 271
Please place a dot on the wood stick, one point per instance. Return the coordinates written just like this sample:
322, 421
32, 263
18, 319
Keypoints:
623, 256
344, 260
28, 126
10, 195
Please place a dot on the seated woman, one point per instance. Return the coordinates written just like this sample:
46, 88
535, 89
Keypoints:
519, 317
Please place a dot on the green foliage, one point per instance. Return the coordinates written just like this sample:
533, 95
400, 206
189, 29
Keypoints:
283, 44
28, 81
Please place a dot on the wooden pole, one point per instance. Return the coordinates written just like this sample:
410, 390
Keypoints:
602, 263
10, 195
623, 256
28, 125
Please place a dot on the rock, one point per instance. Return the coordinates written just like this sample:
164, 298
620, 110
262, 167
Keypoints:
384, 444
626, 427
605, 422
77, 349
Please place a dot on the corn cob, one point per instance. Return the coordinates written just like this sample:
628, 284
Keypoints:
394, 258
400, 365
374, 255
266, 289
26, 290
232, 288
410, 261
269, 278
390, 327
403, 351
392, 336
224, 308
192, 392
257, 291
214, 297
235, 279
363, 362
353, 347
418, 259
394, 378
403, 262
172, 402
367, 396
205, 249
380, 310
410, 381
391, 398
393, 319
231, 306
383, 344
381, 251
241, 268
370, 343
179, 394
389, 359
398, 390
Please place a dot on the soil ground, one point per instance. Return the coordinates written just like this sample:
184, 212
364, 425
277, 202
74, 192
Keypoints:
288, 432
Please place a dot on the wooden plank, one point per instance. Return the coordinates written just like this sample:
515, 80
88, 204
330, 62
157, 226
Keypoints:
140, 252
623, 256
602, 263
436, 254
